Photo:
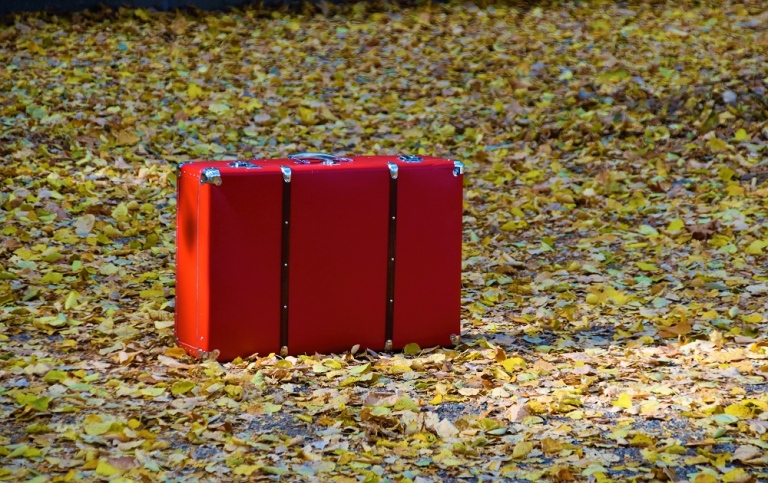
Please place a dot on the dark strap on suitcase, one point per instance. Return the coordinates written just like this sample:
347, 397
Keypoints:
390, 314
285, 250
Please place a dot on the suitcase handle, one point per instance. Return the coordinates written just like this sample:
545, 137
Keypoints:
322, 158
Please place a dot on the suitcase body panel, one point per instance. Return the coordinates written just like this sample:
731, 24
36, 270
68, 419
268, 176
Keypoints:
244, 263
227, 260
185, 327
338, 259
301, 257
428, 254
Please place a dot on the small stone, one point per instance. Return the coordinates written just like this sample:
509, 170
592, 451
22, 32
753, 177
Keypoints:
729, 97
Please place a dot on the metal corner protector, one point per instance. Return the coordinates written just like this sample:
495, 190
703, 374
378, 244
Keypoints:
286, 173
210, 176
392, 170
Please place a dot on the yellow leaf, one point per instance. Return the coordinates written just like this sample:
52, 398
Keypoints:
763, 405
436, 400
120, 213
413, 133
71, 300
717, 144
618, 297
245, 470
218, 108
641, 441
19, 451
308, 116
593, 299
735, 189
521, 450
411, 349
513, 225
182, 387
448, 130
52, 277
737, 476
106, 469
109, 269
741, 135
95, 425
517, 212
647, 267
176, 352
405, 404
549, 446
725, 174
624, 401
705, 478
194, 91
127, 138
741, 411
676, 225
252, 105
756, 247
752, 319
142, 14
513, 363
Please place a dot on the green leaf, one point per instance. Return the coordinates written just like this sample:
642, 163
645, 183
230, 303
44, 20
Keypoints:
182, 387
96, 425
270, 408
274, 470
55, 376
404, 403
52, 277
360, 369
647, 267
411, 349
741, 135
105, 469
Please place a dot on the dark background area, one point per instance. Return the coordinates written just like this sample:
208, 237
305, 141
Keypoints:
8, 6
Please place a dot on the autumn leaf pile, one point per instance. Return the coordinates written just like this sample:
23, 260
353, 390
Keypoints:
615, 284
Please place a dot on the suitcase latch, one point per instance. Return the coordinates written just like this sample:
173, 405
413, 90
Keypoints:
210, 176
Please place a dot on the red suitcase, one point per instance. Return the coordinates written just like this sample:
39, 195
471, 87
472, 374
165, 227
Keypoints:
318, 253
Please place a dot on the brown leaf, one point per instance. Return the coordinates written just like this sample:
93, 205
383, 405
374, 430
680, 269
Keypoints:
170, 362
123, 462
745, 453
703, 231
517, 412
501, 354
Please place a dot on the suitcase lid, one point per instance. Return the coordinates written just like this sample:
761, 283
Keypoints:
212, 171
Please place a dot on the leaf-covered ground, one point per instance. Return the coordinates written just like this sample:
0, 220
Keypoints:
615, 282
